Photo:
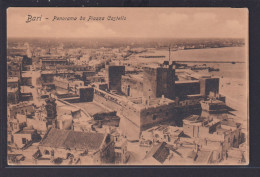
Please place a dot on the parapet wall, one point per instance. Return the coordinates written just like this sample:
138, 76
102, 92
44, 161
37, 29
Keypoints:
119, 105
140, 116
159, 113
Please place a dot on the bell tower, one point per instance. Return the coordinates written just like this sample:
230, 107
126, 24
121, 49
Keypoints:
51, 112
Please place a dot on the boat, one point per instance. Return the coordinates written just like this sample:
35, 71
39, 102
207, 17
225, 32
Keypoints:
195, 67
213, 106
210, 69
152, 56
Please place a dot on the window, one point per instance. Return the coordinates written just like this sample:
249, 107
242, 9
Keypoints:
24, 140
154, 117
52, 152
107, 139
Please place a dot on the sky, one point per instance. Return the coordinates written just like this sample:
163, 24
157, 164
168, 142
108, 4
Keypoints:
139, 23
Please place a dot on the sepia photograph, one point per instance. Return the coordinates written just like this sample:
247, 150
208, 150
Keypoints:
127, 86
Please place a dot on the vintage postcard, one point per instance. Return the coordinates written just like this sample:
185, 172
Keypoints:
127, 86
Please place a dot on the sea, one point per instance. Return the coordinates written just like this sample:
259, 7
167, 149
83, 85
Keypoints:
237, 54
233, 77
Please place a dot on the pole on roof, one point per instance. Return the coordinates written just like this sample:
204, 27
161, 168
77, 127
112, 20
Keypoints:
169, 54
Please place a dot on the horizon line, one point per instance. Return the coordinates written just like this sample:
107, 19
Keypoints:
128, 37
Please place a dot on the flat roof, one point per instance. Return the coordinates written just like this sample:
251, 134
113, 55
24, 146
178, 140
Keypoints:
136, 77
92, 108
51, 58
25, 131
12, 79
230, 123
26, 89
27, 74
221, 131
9, 89
195, 118
137, 102
213, 101
63, 109
21, 104
152, 101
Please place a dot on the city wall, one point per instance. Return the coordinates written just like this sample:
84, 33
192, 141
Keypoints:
154, 115
139, 118
116, 104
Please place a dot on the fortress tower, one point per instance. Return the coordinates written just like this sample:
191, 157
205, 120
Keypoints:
158, 81
114, 75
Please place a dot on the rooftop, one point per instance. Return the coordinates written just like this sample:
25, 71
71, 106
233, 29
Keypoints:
21, 104
26, 131
203, 156
213, 101
53, 59
159, 152
27, 74
57, 138
10, 89
221, 131
137, 103
152, 102
195, 118
12, 79
136, 77
26, 89
92, 108
230, 122
65, 109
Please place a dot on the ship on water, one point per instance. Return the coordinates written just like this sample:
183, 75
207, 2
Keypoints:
152, 56
210, 69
